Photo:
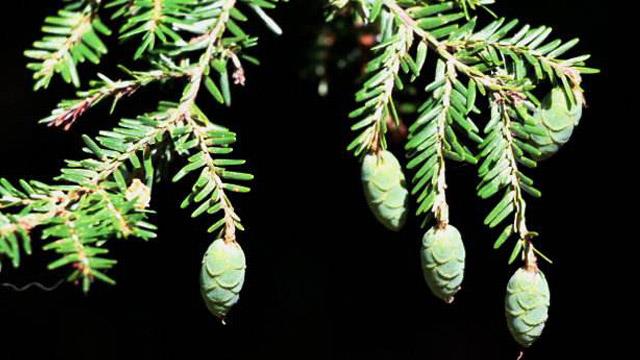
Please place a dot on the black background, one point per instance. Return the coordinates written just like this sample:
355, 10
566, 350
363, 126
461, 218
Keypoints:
324, 279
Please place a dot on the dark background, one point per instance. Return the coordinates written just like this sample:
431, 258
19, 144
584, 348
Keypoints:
325, 280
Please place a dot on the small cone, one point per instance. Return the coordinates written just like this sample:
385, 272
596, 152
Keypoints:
442, 257
222, 276
385, 189
527, 305
557, 121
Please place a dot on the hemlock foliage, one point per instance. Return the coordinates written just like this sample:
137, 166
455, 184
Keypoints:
199, 44
480, 106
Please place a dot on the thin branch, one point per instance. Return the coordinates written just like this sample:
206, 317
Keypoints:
440, 206
230, 215
558, 65
442, 50
68, 111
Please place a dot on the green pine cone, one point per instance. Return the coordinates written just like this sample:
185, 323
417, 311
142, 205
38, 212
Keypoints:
222, 276
385, 189
442, 257
527, 305
557, 120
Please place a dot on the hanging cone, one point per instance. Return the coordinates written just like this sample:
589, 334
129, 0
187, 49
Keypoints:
442, 256
527, 305
222, 276
385, 189
557, 121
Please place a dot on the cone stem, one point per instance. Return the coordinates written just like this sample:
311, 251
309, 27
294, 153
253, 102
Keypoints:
530, 261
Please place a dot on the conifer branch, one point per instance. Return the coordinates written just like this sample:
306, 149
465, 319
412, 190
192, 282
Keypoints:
431, 38
433, 138
213, 183
107, 195
503, 151
71, 37
440, 206
496, 63
210, 181
153, 20
440, 22
68, 111
506, 66
526, 53
376, 94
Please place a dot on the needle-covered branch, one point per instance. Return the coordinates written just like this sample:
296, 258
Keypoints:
433, 137
376, 95
506, 148
499, 60
508, 67
68, 111
152, 20
107, 195
71, 37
